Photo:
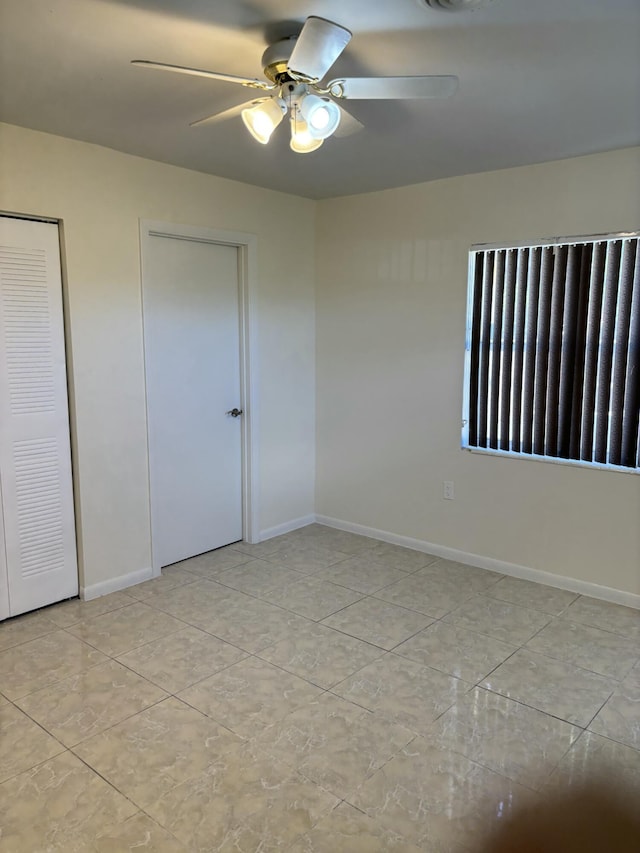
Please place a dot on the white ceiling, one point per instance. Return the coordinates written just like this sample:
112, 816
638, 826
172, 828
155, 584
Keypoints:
539, 80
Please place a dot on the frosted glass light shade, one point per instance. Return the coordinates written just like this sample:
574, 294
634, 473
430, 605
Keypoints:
263, 119
321, 115
301, 140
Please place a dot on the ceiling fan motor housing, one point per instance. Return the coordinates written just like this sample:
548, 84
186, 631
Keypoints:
275, 59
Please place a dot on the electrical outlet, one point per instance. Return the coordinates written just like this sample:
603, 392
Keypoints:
447, 490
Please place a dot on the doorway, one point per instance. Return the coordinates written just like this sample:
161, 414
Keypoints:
197, 301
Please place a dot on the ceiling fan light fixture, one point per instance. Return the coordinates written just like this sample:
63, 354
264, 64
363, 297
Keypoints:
301, 140
322, 115
263, 119
295, 67
453, 5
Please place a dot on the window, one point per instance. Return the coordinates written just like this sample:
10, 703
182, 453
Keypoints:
553, 351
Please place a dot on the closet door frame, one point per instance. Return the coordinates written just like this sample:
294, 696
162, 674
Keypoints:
4, 579
5, 607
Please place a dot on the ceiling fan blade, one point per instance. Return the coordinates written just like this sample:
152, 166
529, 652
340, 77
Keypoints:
348, 124
317, 47
197, 72
232, 112
392, 88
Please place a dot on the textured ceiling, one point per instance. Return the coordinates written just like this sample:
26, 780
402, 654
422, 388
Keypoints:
539, 81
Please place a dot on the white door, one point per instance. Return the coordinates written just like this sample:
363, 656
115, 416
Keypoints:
192, 357
35, 455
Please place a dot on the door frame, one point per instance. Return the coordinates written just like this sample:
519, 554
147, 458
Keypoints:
246, 244
71, 417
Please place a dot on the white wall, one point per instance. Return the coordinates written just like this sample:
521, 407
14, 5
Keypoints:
391, 293
100, 195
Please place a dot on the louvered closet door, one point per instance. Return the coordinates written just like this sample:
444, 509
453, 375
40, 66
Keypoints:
35, 456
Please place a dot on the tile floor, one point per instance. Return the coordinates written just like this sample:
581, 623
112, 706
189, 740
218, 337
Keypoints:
315, 693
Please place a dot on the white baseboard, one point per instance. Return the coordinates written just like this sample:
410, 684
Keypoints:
287, 527
87, 593
605, 593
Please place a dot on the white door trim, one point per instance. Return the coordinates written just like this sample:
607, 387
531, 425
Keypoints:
247, 274
4, 577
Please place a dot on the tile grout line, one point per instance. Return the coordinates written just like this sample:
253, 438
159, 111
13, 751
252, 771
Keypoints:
532, 707
609, 678
133, 648
48, 733
600, 708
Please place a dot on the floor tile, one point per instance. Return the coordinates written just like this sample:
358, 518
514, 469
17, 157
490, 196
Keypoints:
44, 661
23, 744
308, 533
250, 695
176, 569
190, 600
137, 834
307, 558
68, 613
312, 598
620, 717
258, 577
309, 536
378, 622
362, 575
430, 594
347, 830
437, 798
60, 805
260, 550
402, 691
168, 580
593, 758
399, 557
535, 596
212, 562
516, 741
125, 629
456, 651
601, 614
552, 686
90, 702
506, 622
250, 623
179, 660
469, 578
341, 540
321, 655
147, 755
279, 717
591, 648
251, 806
22, 629
334, 743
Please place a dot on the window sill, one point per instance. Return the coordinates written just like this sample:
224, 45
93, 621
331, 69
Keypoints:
574, 463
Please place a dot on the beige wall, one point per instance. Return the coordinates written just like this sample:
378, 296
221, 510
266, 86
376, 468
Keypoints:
391, 291
391, 294
100, 195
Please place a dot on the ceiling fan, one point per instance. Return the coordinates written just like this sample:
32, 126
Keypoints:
294, 68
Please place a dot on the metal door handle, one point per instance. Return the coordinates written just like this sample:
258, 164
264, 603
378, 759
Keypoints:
235, 413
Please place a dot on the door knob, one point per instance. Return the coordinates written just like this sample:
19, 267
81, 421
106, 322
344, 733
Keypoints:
235, 413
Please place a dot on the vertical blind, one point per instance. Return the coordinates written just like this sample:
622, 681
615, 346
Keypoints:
553, 351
